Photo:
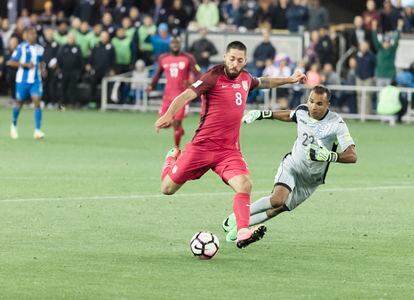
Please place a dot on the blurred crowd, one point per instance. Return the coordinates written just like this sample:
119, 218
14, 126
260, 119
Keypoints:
93, 39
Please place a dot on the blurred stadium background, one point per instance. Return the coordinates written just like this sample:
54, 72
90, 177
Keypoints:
81, 214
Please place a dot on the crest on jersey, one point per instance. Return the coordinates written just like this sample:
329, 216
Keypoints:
245, 85
181, 65
321, 130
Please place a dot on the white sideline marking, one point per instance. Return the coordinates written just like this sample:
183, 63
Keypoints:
149, 196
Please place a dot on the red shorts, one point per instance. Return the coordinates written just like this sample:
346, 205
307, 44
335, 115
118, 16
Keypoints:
180, 115
196, 160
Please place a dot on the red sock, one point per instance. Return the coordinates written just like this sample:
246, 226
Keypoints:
168, 164
241, 207
178, 133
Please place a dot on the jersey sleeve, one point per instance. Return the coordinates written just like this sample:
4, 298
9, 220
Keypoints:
343, 136
158, 73
17, 54
194, 67
255, 83
205, 83
294, 112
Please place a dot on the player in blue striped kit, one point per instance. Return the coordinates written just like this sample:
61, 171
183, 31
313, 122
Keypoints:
28, 59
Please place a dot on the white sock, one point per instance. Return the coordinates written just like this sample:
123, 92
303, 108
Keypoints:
258, 218
260, 205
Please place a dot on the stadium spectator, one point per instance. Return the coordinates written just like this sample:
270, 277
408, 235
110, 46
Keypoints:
146, 48
370, 15
82, 40
28, 59
279, 19
389, 16
311, 55
178, 67
85, 10
231, 12
318, 16
406, 77
61, 34
249, 15
348, 99
207, 14
263, 52
279, 68
140, 77
202, 49
178, 17
159, 12
101, 63
70, 63
365, 72
94, 35
34, 22
313, 75
6, 31
265, 13
324, 47
160, 42
108, 24
297, 16
9, 72
392, 102
119, 12
330, 77
304, 169
297, 89
48, 17
407, 16
132, 35
216, 143
135, 17
104, 7
123, 51
357, 34
386, 51
19, 29
50, 76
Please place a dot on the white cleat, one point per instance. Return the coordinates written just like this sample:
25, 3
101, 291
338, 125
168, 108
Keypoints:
13, 132
38, 134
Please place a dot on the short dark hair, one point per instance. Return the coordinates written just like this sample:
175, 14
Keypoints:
320, 90
236, 45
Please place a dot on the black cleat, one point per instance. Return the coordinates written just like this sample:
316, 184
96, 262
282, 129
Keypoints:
258, 232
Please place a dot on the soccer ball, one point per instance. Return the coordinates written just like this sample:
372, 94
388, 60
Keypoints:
204, 245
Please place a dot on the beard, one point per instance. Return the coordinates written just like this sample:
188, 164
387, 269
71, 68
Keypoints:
231, 74
175, 52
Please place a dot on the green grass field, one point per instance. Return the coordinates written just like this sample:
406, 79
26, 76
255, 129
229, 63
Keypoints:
82, 217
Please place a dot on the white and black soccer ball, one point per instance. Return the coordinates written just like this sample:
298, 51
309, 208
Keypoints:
204, 245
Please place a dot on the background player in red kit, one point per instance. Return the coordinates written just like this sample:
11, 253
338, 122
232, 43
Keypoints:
215, 145
177, 67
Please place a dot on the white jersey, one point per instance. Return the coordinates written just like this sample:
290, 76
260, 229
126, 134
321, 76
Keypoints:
330, 132
26, 53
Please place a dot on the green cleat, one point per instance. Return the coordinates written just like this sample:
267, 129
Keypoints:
232, 235
229, 223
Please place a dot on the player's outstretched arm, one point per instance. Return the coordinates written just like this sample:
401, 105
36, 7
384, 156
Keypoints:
348, 156
253, 115
272, 82
178, 103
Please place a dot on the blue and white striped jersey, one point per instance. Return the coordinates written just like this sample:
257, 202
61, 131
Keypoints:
26, 53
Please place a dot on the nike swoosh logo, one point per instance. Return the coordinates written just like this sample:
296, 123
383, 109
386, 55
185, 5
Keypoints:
226, 223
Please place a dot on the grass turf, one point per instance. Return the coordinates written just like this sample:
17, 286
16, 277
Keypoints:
81, 216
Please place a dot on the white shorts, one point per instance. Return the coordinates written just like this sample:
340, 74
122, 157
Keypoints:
300, 190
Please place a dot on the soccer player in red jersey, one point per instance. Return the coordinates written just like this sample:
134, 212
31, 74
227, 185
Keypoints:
177, 67
215, 145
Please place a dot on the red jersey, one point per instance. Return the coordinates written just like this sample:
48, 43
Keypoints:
177, 70
222, 105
